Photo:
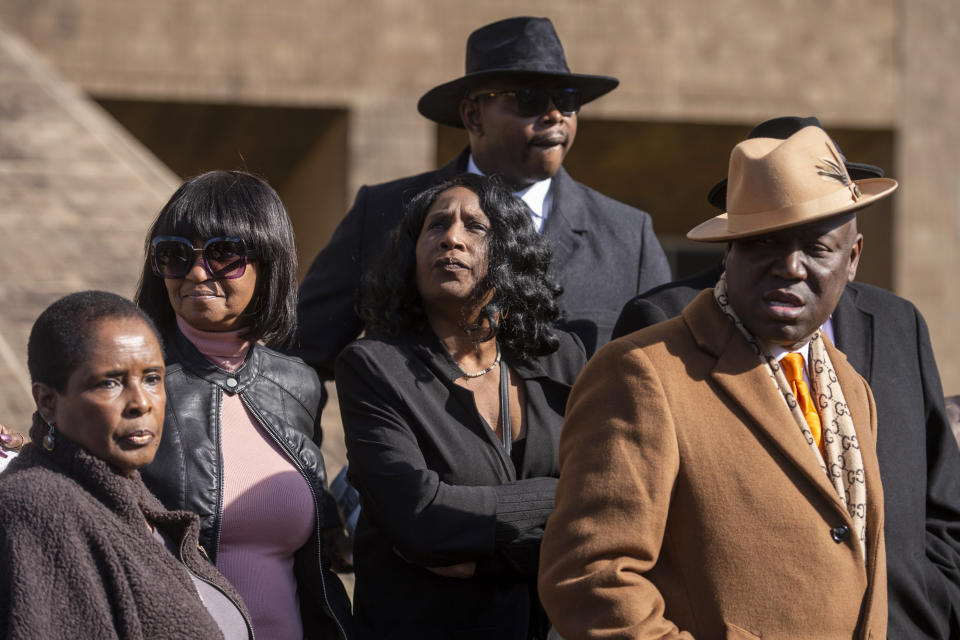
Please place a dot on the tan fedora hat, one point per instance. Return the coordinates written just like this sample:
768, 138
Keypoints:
776, 184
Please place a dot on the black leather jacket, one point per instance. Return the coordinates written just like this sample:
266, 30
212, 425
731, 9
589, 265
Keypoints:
284, 395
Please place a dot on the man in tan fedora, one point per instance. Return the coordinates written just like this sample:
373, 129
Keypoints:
886, 340
718, 474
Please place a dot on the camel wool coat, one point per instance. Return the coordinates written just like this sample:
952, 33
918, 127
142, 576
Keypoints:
690, 506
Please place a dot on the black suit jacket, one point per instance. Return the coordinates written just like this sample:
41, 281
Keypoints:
885, 339
663, 302
604, 253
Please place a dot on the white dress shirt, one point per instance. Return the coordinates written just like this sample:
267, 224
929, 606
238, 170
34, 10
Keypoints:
535, 196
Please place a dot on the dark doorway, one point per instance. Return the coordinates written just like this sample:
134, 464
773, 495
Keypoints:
302, 152
667, 168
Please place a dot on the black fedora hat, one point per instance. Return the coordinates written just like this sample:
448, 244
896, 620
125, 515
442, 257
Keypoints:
516, 47
781, 129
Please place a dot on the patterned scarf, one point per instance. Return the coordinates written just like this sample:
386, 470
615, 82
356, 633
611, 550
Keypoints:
842, 460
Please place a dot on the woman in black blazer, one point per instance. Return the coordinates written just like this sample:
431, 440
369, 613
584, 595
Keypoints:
452, 408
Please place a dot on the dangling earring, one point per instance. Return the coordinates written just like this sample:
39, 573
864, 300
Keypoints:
50, 440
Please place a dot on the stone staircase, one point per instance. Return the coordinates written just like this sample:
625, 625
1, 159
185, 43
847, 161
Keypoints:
77, 194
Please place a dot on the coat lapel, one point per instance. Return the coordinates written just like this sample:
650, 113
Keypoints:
740, 374
853, 329
565, 225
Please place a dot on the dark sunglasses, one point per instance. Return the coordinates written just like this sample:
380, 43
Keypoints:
535, 101
222, 257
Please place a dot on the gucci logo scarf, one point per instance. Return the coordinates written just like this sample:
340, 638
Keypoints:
842, 460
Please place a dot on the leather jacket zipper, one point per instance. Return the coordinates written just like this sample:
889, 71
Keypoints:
218, 523
316, 503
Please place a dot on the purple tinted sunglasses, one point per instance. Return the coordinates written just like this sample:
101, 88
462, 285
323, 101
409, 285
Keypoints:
172, 257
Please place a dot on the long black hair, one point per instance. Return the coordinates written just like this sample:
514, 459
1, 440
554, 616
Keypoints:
523, 308
231, 203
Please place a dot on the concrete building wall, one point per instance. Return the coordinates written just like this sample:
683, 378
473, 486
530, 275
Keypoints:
77, 194
884, 66
736, 61
927, 234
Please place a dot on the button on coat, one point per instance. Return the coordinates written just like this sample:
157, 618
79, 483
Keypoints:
840, 533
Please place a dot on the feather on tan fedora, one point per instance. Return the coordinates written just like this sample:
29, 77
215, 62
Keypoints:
776, 184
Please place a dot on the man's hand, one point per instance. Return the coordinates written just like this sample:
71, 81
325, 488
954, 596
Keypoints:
463, 571
10, 440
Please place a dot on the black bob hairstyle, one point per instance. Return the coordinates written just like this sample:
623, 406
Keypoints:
523, 309
60, 336
231, 203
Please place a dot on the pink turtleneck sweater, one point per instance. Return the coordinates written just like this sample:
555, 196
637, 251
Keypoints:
268, 509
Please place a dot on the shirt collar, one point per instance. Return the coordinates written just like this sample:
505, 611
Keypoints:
535, 196
778, 352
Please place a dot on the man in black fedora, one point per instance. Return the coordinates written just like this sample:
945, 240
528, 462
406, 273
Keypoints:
518, 102
886, 341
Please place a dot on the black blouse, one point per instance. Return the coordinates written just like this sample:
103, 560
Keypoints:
437, 488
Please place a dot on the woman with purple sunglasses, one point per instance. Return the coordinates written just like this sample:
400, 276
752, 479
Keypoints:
219, 280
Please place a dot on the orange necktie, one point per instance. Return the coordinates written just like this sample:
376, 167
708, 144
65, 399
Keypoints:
792, 365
